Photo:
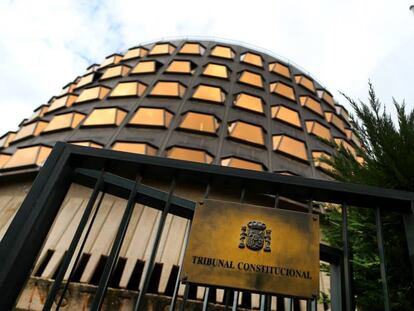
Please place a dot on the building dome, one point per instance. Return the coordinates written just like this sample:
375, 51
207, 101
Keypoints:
194, 100
202, 101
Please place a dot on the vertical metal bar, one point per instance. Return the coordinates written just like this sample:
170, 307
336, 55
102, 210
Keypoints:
78, 256
335, 282
347, 253
151, 262
116, 247
185, 297
262, 303
229, 292
409, 235
290, 304
72, 247
205, 300
383, 266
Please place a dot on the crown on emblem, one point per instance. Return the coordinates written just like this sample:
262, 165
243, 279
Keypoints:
258, 225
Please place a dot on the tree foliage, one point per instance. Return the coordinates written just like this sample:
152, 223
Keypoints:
388, 153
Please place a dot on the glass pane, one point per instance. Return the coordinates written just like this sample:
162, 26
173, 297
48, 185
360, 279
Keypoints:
179, 66
125, 89
222, 51
140, 148
251, 78
209, 93
317, 160
97, 92
65, 101
240, 163
151, 117
32, 129
311, 104
247, 132
87, 144
85, 80
144, 67
101, 117
189, 155
170, 89
111, 60
216, 70
6, 139
335, 121
318, 129
28, 157
282, 89
280, 69
163, 48
290, 146
349, 134
287, 115
249, 102
326, 97
192, 48
3, 159
346, 145
135, 53
253, 59
117, 71
305, 82
199, 122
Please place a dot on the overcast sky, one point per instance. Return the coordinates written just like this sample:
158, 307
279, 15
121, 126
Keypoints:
46, 44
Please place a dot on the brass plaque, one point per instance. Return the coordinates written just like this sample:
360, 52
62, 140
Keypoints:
253, 248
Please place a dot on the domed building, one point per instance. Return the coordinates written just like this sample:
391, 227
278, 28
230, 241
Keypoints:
203, 101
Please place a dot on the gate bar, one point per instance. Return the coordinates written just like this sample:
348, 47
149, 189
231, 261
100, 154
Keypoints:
73, 244
116, 247
151, 262
383, 266
346, 254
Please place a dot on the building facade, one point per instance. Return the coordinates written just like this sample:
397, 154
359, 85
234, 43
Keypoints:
204, 101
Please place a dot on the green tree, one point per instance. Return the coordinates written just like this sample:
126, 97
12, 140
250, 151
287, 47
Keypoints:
388, 153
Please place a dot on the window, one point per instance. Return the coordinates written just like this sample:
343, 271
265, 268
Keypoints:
241, 163
251, 78
290, 146
145, 67
342, 142
316, 128
128, 89
3, 159
116, 71
192, 49
30, 130
199, 122
64, 121
282, 89
64, 101
209, 93
168, 89
280, 69
87, 143
340, 110
69, 88
335, 121
135, 53
311, 104
28, 156
286, 115
350, 135
152, 117
305, 82
162, 49
327, 97
318, 160
252, 59
91, 69
141, 148
180, 66
111, 60
94, 93
105, 117
246, 132
249, 102
85, 80
222, 51
39, 112
6, 139
360, 160
188, 154
216, 71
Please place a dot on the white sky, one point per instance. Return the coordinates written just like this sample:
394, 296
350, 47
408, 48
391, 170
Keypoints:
45, 44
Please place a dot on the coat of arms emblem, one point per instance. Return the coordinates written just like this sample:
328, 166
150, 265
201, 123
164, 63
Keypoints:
255, 236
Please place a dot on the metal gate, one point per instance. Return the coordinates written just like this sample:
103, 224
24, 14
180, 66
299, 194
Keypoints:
124, 175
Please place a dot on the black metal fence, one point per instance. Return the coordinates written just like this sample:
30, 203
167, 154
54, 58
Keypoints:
124, 175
